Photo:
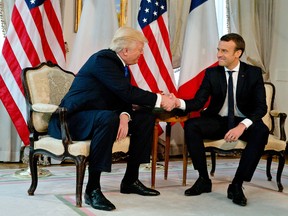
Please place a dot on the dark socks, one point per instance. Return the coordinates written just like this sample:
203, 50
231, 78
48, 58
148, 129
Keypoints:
131, 174
237, 181
93, 181
204, 174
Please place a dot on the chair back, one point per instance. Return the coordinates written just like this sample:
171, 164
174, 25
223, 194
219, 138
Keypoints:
45, 84
270, 94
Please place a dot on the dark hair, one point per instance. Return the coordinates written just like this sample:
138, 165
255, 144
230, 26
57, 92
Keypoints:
238, 40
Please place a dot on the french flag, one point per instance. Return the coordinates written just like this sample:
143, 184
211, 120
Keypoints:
199, 48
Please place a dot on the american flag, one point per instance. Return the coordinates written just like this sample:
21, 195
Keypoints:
154, 71
34, 36
199, 48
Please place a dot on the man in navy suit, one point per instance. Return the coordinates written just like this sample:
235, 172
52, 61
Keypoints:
248, 107
99, 105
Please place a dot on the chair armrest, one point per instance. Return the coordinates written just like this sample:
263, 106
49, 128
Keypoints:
65, 134
44, 108
51, 108
282, 118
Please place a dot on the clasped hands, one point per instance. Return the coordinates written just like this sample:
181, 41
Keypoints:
169, 102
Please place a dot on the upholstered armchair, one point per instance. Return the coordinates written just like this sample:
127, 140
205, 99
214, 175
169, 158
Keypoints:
45, 86
276, 145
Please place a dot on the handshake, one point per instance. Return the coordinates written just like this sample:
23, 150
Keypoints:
169, 102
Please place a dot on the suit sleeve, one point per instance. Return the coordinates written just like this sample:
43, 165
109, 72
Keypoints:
201, 96
111, 75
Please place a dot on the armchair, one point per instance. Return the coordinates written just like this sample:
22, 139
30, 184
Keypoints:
44, 87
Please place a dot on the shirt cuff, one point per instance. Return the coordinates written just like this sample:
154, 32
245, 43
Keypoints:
247, 122
182, 104
126, 113
158, 101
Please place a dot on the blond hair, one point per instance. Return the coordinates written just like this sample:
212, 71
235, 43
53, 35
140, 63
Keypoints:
125, 37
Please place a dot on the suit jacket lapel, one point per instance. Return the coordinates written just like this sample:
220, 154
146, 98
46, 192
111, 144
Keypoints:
223, 81
241, 80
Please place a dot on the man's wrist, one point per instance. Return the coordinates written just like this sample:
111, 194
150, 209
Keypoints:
126, 114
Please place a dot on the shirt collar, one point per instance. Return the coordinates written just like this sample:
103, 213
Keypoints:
236, 69
121, 60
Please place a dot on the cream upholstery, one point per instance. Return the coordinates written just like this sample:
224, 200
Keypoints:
44, 87
276, 144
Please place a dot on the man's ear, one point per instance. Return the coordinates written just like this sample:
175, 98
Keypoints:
125, 51
238, 53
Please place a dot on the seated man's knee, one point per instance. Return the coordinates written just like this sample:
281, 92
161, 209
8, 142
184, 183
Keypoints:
190, 125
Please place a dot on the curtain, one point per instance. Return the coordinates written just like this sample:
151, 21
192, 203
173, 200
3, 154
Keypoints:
253, 19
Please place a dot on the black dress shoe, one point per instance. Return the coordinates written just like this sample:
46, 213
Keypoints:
138, 188
200, 186
98, 201
235, 193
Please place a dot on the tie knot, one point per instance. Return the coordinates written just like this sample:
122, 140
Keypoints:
230, 72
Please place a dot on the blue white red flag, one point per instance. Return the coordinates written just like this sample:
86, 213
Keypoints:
34, 35
200, 46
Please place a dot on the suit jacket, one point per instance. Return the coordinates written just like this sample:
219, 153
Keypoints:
101, 85
250, 92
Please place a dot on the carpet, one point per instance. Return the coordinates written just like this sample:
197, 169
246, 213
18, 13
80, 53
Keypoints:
55, 194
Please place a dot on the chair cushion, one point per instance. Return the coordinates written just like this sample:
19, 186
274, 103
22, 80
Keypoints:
223, 145
274, 143
56, 147
121, 145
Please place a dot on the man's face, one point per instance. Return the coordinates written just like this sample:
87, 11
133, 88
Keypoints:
227, 56
132, 55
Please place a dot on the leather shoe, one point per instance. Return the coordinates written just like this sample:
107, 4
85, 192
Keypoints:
138, 188
200, 186
98, 201
235, 193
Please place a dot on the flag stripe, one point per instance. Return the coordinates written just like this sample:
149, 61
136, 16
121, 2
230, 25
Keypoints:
158, 58
57, 29
154, 72
30, 40
147, 75
195, 3
24, 38
14, 112
164, 33
13, 65
37, 17
200, 46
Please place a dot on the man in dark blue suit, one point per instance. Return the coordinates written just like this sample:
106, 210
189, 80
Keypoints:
99, 105
248, 106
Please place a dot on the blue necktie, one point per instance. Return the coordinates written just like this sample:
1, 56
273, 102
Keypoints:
230, 101
126, 71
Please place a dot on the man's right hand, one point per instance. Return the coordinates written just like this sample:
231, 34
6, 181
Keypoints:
168, 102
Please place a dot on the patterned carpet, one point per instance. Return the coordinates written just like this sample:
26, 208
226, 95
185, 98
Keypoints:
55, 193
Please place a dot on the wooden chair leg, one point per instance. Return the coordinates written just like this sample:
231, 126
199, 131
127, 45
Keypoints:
281, 164
154, 154
213, 161
167, 149
185, 164
34, 173
268, 167
80, 173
